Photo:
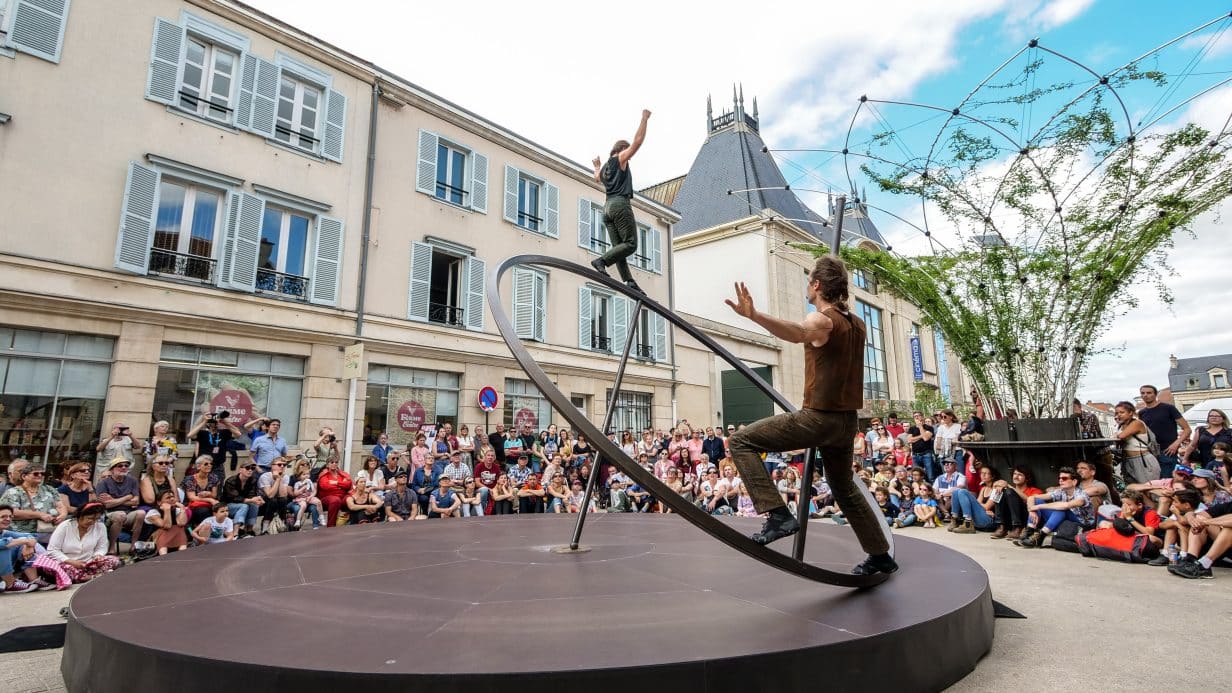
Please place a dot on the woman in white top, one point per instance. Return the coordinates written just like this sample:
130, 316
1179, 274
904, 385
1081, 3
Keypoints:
945, 435
1139, 465
79, 547
466, 445
372, 476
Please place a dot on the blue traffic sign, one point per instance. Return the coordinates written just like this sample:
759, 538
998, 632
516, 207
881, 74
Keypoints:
488, 399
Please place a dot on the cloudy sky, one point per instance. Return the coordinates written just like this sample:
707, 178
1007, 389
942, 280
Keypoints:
573, 77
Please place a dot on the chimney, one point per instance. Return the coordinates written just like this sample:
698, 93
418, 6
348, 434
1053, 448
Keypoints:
1172, 361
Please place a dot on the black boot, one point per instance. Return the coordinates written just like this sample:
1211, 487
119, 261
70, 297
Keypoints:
597, 263
780, 524
633, 285
881, 563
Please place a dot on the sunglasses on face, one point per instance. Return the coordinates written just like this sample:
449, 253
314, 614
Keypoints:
1065, 478
33, 474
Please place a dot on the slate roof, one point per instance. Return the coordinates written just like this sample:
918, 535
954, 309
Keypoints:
665, 192
1197, 367
732, 159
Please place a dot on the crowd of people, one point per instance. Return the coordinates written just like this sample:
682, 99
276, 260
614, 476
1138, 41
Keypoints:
1170, 481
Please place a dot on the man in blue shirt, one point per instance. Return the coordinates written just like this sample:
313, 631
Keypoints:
382, 448
269, 446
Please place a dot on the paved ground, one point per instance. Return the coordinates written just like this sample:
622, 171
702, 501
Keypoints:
1086, 627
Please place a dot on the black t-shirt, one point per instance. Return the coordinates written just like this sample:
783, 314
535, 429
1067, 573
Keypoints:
77, 499
497, 441
921, 447
617, 182
214, 445
1161, 419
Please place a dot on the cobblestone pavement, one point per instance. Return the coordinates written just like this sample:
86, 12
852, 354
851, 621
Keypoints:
1073, 605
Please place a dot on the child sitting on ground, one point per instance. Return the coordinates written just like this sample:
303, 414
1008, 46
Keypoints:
926, 508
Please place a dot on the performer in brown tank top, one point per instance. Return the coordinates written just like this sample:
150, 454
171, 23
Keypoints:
833, 341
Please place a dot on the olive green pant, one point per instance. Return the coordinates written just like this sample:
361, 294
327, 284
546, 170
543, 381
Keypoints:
831, 433
622, 232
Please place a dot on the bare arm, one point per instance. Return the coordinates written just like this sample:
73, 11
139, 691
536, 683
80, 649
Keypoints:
815, 328
638, 138
1182, 439
598, 170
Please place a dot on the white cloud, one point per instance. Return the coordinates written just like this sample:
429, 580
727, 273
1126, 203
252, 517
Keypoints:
1217, 43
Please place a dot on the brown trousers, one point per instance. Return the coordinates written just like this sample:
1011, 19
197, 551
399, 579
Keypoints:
831, 433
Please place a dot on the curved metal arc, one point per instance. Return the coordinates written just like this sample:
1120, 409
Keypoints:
613, 454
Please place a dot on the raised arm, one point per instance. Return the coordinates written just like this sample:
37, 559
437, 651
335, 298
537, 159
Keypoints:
638, 138
815, 328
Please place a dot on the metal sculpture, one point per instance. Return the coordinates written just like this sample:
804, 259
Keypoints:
608, 452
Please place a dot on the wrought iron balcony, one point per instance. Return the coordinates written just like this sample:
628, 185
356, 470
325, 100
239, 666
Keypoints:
166, 262
599, 343
282, 283
644, 352
598, 245
443, 314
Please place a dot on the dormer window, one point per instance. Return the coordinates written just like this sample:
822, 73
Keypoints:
1219, 379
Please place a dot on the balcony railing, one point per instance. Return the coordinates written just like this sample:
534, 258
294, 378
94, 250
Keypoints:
642, 262
644, 352
166, 262
282, 283
599, 343
598, 245
443, 314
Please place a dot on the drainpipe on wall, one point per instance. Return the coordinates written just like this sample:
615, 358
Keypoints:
671, 305
367, 222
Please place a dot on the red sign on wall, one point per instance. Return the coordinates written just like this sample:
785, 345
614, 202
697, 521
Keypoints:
525, 417
410, 416
237, 402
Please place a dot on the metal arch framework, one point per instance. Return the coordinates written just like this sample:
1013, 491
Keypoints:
613, 454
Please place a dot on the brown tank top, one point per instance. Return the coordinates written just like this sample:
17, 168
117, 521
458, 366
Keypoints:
834, 371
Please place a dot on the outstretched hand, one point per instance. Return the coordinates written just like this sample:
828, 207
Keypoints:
597, 162
645, 114
744, 301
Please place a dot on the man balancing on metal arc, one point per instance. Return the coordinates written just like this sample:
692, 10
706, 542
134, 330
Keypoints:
833, 390
617, 181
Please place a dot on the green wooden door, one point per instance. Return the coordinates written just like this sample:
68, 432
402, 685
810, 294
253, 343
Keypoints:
742, 401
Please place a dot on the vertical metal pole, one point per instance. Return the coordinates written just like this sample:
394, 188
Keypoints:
806, 483
607, 419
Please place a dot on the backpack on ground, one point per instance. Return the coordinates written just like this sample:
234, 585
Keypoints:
1111, 544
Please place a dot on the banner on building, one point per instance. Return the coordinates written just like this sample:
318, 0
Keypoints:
408, 410
917, 358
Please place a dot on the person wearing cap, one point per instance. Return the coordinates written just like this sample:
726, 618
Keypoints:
945, 484
243, 497
401, 501
456, 469
80, 546
1160, 491
443, 502
120, 494
519, 473
1207, 483
120, 443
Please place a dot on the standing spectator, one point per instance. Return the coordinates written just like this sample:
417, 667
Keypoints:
859, 449
1088, 423
1140, 466
120, 443
920, 437
466, 445
37, 507
269, 446
1215, 431
243, 497
528, 445
161, 441
893, 427
713, 445
333, 485
443, 502
1163, 419
945, 443
80, 546
120, 494
326, 447
565, 448
213, 435
401, 502
421, 454
1066, 503
496, 439
513, 446
382, 449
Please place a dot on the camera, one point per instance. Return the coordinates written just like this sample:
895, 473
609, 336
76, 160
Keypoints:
224, 414
332, 438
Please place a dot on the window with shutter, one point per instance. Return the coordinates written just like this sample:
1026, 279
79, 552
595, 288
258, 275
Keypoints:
530, 293
35, 27
186, 229
207, 79
475, 269
419, 290
584, 317
137, 212
298, 118
327, 261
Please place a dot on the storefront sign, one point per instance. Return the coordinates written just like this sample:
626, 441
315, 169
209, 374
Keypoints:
237, 402
525, 417
410, 416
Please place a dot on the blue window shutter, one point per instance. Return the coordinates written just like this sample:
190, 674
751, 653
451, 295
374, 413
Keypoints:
425, 178
479, 182
659, 323
248, 83
228, 239
620, 322
541, 306
511, 194
335, 126
166, 56
475, 269
584, 215
421, 282
656, 250
327, 261
38, 27
551, 210
585, 310
245, 242
266, 80
137, 212
523, 303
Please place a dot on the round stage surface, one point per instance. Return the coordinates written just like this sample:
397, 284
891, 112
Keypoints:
478, 605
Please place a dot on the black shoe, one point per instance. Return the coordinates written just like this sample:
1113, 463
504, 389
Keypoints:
872, 565
597, 263
1034, 540
1161, 559
1191, 570
633, 285
780, 524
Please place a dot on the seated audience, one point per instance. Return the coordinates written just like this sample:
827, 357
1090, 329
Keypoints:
363, 505
1068, 502
444, 502
975, 511
401, 501
77, 551
17, 553
217, 528
333, 486
121, 495
243, 498
1012, 514
169, 518
304, 495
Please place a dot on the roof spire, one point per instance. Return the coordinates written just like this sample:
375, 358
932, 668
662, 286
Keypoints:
709, 114
755, 108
